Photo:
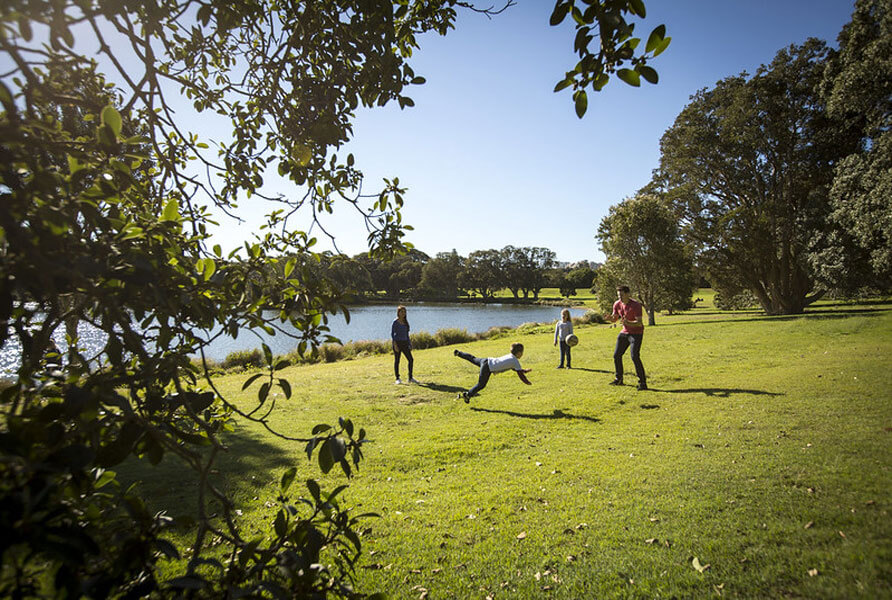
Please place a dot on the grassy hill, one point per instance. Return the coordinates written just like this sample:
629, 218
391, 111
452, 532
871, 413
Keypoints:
757, 466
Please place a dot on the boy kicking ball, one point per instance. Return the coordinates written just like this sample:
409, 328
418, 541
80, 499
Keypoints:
490, 366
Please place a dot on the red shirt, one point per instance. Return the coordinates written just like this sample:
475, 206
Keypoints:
631, 311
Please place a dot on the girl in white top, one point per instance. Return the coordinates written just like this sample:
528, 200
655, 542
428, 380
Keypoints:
563, 328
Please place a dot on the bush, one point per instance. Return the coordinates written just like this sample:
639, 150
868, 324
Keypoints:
422, 340
590, 317
447, 337
243, 359
331, 352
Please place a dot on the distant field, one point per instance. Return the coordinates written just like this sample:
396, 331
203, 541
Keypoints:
758, 466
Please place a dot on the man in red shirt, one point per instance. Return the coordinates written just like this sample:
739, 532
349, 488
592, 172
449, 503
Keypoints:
632, 316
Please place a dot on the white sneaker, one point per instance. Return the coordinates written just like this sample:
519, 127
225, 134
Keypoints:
397, 382
413, 380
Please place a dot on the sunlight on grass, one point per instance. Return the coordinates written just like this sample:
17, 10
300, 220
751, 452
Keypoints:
762, 450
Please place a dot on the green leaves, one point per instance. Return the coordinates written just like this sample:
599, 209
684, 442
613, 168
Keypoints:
657, 41
112, 119
629, 76
581, 100
171, 211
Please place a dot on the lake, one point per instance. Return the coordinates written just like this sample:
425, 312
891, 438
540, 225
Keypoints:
371, 322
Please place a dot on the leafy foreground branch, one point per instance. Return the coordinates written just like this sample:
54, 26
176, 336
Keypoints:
106, 205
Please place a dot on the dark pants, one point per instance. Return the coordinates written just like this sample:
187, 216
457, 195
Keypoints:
402, 348
484, 371
623, 341
565, 351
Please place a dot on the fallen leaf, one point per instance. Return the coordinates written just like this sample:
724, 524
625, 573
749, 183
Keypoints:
654, 520
521, 535
810, 524
650, 541
842, 535
700, 568
435, 571
812, 572
581, 526
546, 588
571, 558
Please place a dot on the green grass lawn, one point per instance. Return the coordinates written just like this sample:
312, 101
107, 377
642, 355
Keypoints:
761, 454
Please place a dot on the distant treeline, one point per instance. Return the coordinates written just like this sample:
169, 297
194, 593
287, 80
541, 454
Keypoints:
415, 275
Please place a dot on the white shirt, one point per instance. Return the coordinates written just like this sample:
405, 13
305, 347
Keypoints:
562, 330
504, 363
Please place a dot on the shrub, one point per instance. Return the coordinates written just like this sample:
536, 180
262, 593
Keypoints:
243, 359
449, 336
422, 340
365, 347
590, 317
331, 352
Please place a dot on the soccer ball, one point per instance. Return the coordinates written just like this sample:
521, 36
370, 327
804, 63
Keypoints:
571, 340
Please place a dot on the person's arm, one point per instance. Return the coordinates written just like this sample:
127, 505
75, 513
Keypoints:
635, 319
523, 378
557, 328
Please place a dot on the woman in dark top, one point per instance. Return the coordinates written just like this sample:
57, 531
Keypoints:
399, 333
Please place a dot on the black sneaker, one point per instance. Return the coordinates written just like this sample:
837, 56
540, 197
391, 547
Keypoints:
616, 382
466, 397
560, 366
455, 352
642, 386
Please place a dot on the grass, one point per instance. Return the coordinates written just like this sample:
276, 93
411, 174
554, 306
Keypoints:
762, 451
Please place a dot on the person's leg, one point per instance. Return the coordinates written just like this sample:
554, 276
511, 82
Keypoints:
481, 381
564, 352
622, 343
569, 356
469, 357
396, 361
409, 361
635, 341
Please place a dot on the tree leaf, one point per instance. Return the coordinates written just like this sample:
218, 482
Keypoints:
286, 387
171, 211
581, 103
637, 7
655, 38
662, 46
287, 479
696, 564
112, 118
629, 76
648, 73
251, 380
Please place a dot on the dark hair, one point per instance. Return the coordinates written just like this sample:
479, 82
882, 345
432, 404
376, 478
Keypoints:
515, 347
401, 308
623, 288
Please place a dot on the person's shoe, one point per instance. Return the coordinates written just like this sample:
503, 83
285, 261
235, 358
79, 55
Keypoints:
455, 352
463, 396
560, 366
413, 380
642, 386
397, 382
616, 382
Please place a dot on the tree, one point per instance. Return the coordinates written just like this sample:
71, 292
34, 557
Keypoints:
482, 273
439, 276
642, 242
749, 165
581, 277
104, 200
856, 250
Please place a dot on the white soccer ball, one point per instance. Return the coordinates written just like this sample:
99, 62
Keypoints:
571, 340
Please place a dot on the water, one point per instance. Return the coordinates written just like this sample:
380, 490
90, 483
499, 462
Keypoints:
366, 323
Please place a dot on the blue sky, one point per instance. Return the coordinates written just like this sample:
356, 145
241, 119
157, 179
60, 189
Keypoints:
491, 156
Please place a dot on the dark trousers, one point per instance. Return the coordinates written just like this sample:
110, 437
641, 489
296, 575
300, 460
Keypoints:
624, 341
565, 351
483, 379
402, 348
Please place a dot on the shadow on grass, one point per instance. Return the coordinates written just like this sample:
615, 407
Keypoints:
558, 413
650, 406
816, 315
249, 465
717, 392
591, 370
439, 387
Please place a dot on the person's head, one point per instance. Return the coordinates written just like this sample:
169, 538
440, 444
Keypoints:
565, 315
401, 312
623, 292
517, 349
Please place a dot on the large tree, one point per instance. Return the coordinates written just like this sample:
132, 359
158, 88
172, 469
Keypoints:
642, 241
104, 201
855, 250
482, 273
750, 163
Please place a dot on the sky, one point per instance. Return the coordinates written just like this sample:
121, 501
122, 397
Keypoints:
491, 156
